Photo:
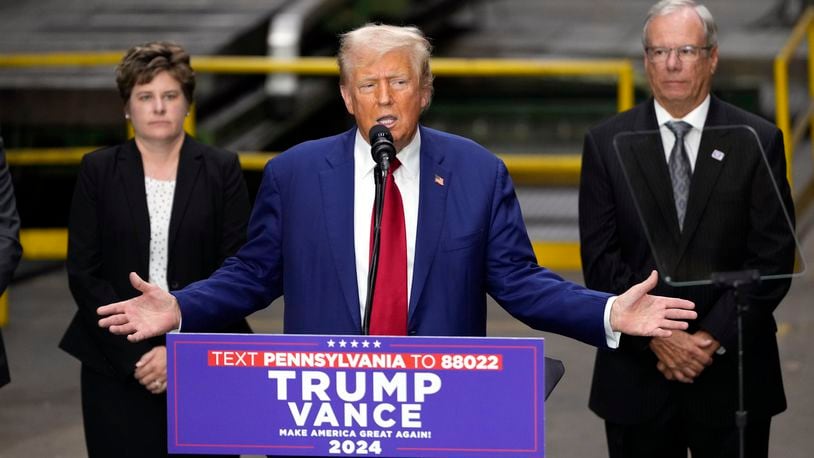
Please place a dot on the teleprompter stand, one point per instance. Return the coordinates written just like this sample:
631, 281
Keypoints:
736, 281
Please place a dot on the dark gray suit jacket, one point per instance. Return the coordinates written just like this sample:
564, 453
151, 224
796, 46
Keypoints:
10, 249
734, 221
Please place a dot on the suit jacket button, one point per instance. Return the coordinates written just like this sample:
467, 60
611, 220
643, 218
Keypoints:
174, 285
412, 332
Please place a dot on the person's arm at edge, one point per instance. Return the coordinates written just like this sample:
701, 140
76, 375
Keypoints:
9, 225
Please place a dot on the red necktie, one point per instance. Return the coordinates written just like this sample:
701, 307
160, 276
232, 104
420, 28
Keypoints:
389, 315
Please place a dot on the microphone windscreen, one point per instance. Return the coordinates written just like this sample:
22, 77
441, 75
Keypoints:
379, 132
381, 145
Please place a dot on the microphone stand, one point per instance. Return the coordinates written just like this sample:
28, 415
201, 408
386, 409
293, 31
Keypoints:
379, 177
736, 281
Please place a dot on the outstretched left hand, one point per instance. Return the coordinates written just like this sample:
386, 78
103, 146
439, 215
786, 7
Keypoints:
639, 314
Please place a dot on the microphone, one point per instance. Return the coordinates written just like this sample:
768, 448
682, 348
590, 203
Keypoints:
381, 146
382, 149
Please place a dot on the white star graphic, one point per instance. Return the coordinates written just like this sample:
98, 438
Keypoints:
342, 343
366, 344
354, 343
377, 344
331, 343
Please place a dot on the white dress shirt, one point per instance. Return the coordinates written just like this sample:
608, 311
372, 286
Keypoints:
364, 190
160, 194
692, 140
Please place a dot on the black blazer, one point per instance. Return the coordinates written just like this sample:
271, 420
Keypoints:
10, 249
109, 237
734, 221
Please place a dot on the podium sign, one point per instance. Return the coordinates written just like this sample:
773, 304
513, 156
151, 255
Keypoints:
355, 395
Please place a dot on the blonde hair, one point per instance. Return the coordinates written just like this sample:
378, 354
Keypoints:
381, 39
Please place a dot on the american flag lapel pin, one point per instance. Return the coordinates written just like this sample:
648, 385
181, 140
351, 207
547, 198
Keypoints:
439, 180
718, 155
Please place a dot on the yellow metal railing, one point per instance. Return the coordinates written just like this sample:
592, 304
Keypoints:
793, 133
557, 169
3, 309
51, 244
621, 69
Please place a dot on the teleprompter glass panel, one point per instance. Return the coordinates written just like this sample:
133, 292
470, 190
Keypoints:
739, 213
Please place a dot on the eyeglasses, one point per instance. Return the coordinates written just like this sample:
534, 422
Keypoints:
686, 53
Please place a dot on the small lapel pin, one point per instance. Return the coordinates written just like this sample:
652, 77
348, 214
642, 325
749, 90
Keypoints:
718, 155
439, 180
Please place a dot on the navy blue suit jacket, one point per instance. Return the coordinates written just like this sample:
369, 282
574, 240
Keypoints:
471, 241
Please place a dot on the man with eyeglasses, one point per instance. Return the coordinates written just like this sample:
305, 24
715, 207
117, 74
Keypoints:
660, 397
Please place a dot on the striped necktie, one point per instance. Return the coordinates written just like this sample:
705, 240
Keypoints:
680, 171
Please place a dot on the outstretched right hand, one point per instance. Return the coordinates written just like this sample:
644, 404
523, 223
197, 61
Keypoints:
153, 313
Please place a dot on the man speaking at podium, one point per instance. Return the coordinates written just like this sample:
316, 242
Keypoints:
452, 232
661, 396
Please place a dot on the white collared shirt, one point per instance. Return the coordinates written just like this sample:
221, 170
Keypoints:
692, 140
406, 177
